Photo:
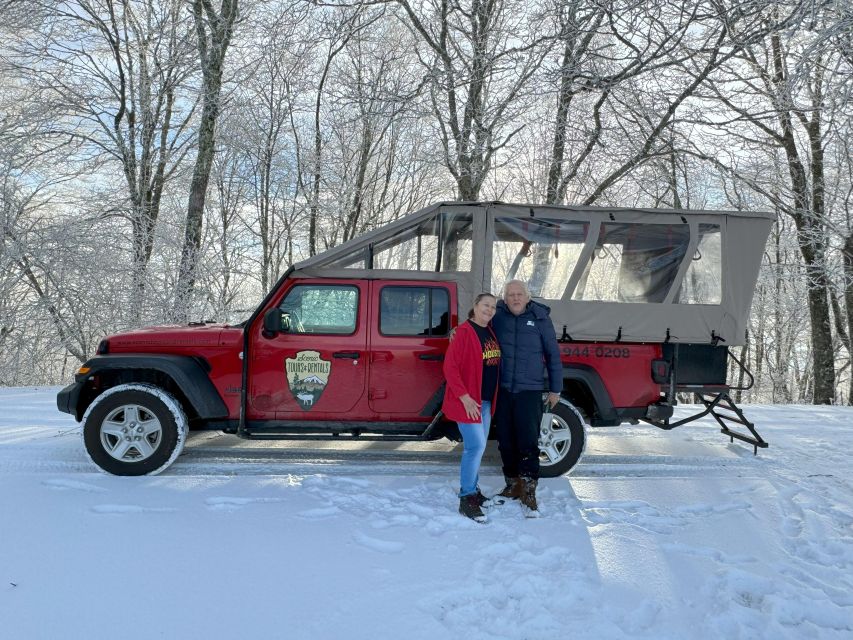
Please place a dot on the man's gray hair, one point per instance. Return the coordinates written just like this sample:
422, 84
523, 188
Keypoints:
520, 283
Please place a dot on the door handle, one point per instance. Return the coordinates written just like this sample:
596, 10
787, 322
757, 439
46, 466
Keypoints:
431, 356
352, 355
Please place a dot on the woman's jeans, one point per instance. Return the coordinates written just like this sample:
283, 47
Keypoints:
474, 437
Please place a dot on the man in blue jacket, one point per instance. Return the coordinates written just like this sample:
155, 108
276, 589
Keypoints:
528, 347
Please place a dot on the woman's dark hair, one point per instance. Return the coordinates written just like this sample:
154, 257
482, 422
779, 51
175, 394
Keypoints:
479, 297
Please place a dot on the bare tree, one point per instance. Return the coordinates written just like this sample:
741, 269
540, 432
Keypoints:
214, 29
479, 58
340, 25
370, 127
777, 103
266, 122
712, 35
115, 71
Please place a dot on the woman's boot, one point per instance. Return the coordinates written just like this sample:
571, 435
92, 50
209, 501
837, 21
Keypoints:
469, 506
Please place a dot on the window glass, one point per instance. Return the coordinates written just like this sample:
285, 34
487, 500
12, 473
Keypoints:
702, 282
633, 262
541, 252
312, 308
441, 243
414, 311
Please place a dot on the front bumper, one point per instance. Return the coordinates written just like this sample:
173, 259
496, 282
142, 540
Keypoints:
68, 399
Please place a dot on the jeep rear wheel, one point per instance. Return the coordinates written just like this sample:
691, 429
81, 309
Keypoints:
134, 430
562, 438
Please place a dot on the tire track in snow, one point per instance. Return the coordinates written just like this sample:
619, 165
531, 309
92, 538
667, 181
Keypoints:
251, 460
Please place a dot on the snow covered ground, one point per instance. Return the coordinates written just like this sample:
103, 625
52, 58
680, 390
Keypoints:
654, 535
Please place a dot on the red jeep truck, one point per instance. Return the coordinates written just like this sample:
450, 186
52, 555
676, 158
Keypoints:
350, 343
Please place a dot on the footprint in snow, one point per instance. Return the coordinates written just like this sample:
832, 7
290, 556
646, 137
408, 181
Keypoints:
227, 503
375, 544
63, 485
356, 482
129, 508
319, 513
441, 525
704, 509
399, 520
709, 553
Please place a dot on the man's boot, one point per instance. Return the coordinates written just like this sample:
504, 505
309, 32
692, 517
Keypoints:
512, 490
528, 497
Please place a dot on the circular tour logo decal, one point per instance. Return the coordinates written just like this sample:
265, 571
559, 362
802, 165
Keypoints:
307, 376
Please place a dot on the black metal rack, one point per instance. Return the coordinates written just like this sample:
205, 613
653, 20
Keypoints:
717, 402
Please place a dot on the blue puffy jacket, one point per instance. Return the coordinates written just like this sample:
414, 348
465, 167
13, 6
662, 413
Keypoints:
528, 346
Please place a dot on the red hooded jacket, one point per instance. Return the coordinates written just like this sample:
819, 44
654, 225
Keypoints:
463, 369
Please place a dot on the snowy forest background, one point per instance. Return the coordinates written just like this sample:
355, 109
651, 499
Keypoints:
165, 161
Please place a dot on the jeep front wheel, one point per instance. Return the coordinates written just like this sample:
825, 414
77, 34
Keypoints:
134, 429
562, 438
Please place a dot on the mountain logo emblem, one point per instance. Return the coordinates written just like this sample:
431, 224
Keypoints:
307, 377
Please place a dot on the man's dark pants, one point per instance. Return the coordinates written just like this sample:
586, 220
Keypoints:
517, 419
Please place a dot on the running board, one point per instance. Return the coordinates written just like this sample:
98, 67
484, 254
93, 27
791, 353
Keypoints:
339, 430
273, 434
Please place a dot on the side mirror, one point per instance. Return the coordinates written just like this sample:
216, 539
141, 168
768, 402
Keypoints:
272, 323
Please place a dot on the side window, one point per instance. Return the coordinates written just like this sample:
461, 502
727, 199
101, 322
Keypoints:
634, 262
543, 253
442, 243
316, 308
414, 311
702, 282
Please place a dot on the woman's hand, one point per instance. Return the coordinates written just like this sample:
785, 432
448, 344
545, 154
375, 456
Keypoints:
472, 409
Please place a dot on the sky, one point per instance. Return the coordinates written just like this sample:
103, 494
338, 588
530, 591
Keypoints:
654, 534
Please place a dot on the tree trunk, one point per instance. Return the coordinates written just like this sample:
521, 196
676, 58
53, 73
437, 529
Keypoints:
558, 150
810, 235
354, 216
847, 257
314, 210
214, 35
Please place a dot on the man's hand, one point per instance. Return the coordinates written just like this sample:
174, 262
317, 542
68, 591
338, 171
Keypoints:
472, 409
553, 399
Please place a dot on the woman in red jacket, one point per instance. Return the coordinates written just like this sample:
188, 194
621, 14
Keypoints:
471, 367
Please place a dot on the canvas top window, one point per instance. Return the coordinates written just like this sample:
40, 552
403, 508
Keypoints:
541, 252
702, 283
633, 262
443, 242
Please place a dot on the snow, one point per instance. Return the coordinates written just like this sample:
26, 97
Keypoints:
655, 534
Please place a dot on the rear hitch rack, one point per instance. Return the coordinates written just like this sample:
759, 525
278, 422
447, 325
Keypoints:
718, 403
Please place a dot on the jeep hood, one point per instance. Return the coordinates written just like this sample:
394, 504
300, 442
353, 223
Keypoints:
148, 338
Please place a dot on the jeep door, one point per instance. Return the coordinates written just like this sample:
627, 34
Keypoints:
410, 325
315, 369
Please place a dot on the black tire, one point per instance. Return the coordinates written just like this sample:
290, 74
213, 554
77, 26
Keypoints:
134, 430
562, 439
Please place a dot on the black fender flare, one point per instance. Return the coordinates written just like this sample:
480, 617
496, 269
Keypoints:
188, 373
588, 376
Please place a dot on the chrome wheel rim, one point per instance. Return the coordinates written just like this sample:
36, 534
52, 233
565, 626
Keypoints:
555, 439
131, 433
